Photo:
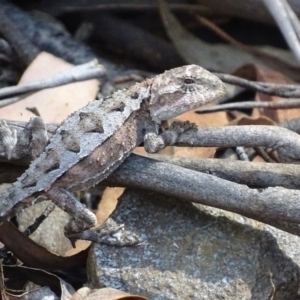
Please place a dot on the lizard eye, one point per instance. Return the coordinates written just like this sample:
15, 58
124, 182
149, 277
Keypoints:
188, 81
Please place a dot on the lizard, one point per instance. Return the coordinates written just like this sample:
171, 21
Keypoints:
92, 142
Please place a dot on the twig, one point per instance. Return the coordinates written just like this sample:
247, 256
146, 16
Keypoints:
281, 90
285, 142
79, 73
39, 220
45, 37
264, 154
135, 6
26, 50
293, 18
8, 101
281, 12
259, 175
240, 151
280, 104
265, 206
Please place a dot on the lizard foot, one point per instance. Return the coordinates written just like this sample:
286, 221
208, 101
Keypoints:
114, 237
154, 143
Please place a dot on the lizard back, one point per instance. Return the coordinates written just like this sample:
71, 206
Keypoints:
75, 139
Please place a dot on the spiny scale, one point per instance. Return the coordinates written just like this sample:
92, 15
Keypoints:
77, 137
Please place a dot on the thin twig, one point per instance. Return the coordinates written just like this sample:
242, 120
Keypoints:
39, 220
284, 141
280, 104
279, 12
240, 151
264, 154
79, 73
281, 90
135, 6
293, 18
23, 46
8, 101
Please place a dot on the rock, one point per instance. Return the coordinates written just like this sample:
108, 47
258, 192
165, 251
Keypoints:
50, 234
189, 254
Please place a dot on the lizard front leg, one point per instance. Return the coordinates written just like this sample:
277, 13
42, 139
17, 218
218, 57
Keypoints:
154, 143
82, 218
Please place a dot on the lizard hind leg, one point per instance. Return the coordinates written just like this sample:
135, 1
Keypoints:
82, 218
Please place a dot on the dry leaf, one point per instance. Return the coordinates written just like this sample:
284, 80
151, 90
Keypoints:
246, 120
105, 294
108, 203
258, 73
55, 104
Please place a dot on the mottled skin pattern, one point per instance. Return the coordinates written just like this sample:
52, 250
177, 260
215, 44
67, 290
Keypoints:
95, 140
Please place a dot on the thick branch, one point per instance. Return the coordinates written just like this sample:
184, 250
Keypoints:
285, 142
275, 204
258, 175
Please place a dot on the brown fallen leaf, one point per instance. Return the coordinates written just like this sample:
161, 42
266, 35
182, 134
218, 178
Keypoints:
246, 120
255, 72
108, 203
268, 58
34, 255
217, 57
54, 104
104, 294
16, 276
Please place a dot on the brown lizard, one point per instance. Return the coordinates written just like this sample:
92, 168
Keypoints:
94, 140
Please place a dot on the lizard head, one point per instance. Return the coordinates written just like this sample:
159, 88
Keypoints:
182, 89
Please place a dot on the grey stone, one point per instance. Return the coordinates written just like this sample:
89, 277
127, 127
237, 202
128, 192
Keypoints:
189, 254
50, 234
